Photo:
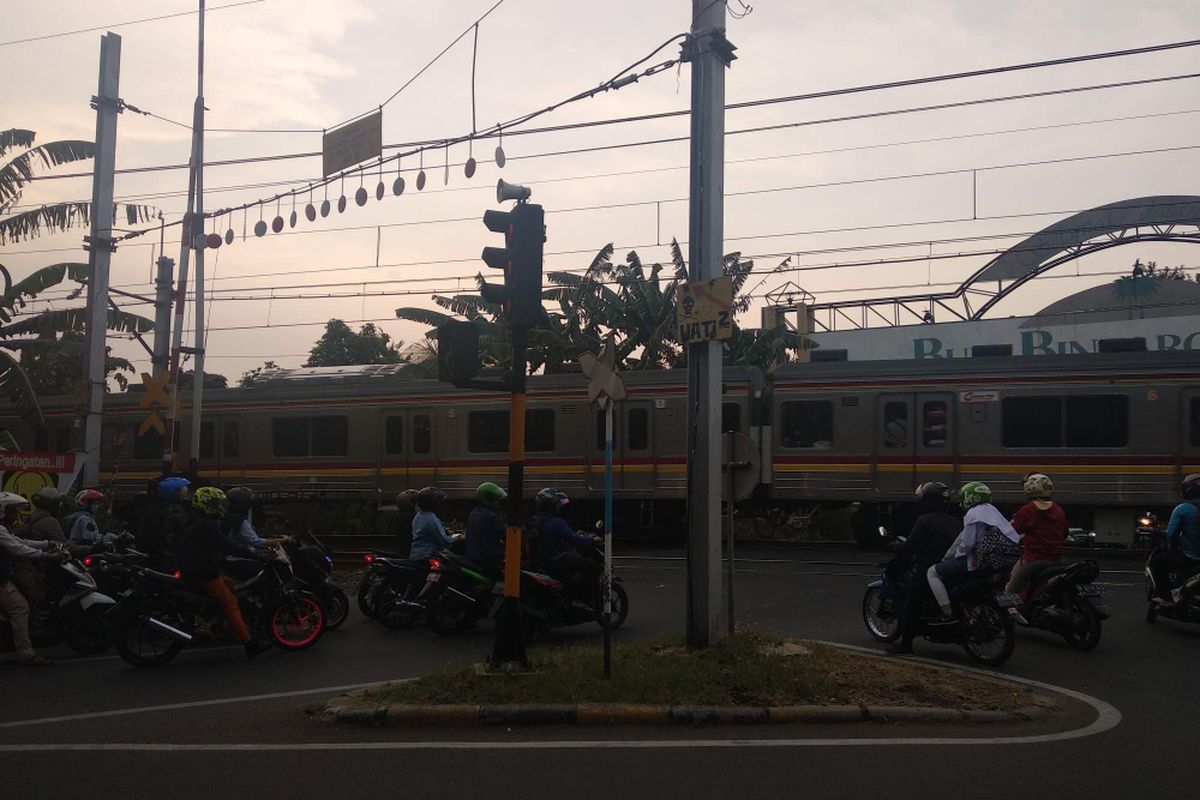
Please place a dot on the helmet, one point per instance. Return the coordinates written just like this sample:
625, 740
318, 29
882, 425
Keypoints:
933, 493
47, 498
406, 500
490, 494
550, 500
240, 498
211, 501
1038, 486
973, 494
11, 500
172, 488
429, 497
1191, 486
89, 496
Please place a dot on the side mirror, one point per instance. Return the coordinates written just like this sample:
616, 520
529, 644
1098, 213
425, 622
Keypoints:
883, 531
600, 526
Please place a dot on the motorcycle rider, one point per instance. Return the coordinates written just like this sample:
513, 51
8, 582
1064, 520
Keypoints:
1043, 528
13, 603
43, 524
84, 529
406, 504
237, 528
485, 529
932, 535
554, 547
201, 551
1182, 553
987, 541
429, 535
163, 526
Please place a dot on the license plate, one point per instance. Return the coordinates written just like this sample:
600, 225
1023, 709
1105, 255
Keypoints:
1093, 590
433, 577
1008, 600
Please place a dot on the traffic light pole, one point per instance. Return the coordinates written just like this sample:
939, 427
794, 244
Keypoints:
508, 647
705, 243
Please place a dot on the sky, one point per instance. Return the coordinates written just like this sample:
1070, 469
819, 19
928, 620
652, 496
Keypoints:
306, 65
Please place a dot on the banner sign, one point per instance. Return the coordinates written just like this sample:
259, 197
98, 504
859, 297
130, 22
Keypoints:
352, 143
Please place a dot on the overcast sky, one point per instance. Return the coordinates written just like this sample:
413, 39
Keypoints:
305, 64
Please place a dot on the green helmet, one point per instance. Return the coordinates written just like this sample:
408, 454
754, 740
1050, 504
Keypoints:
490, 495
211, 501
974, 493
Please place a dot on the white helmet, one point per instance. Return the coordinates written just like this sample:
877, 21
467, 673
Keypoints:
11, 499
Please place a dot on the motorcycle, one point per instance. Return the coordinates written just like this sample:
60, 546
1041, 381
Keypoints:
1187, 607
72, 611
313, 565
982, 627
116, 573
162, 613
547, 604
456, 595
389, 589
1148, 534
1063, 599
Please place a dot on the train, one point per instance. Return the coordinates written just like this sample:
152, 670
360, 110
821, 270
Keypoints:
847, 440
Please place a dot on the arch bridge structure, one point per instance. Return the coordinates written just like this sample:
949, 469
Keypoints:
1161, 218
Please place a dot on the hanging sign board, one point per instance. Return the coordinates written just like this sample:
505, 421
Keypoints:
704, 311
352, 143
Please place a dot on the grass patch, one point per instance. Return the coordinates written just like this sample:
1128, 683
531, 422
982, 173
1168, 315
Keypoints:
752, 669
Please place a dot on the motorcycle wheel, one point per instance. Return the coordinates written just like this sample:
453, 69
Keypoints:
1089, 637
337, 607
989, 634
366, 596
87, 631
141, 645
297, 621
446, 618
883, 625
396, 604
620, 607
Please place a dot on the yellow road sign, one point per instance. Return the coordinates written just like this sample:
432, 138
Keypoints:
704, 311
152, 420
156, 390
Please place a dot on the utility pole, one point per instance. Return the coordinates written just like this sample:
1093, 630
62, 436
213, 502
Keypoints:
709, 53
163, 291
101, 245
197, 235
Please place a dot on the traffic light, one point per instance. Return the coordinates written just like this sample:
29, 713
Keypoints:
521, 258
458, 351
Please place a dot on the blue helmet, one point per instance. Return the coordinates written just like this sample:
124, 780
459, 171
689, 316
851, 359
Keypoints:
172, 488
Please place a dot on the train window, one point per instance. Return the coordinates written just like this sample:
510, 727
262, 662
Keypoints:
731, 417
422, 433
933, 423
487, 431
1194, 425
1098, 421
231, 445
207, 434
1031, 421
150, 446
330, 436
637, 434
393, 436
289, 437
808, 423
895, 425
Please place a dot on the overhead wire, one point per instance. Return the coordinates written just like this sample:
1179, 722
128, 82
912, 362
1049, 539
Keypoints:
126, 24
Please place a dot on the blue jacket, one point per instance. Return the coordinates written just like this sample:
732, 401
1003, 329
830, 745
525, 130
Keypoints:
555, 539
1183, 531
428, 536
485, 536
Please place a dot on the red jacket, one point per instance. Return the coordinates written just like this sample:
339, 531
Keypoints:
1043, 531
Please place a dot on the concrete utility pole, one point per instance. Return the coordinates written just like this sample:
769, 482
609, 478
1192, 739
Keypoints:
163, 292
198, 234
709, 53
100, 244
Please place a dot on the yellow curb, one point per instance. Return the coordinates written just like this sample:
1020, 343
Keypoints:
791, 714
402, 714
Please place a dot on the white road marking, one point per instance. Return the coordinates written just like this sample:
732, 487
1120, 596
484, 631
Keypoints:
1107, 718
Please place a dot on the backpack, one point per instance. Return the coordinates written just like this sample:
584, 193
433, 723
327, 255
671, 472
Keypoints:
996, 551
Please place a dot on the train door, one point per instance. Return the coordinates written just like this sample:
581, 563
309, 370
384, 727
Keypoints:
895, 442
934, 438
1189, 440
595, 466
637, 456
422, 449
393, 459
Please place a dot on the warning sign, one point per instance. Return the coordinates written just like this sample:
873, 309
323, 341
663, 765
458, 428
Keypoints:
348, 145
704, 311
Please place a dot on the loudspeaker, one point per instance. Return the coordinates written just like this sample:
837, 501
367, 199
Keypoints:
511, 191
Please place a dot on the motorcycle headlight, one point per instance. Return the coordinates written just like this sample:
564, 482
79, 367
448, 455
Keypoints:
1144, 521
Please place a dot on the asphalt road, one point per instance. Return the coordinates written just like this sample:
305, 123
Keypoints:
211, 723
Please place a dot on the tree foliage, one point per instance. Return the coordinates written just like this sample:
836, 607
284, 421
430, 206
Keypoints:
212, 380
340, 346
249, 375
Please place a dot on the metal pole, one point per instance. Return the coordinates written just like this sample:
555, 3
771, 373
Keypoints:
730, 465
608, 517
163, 290
198, 374
508, 646
101, 247
705, 243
